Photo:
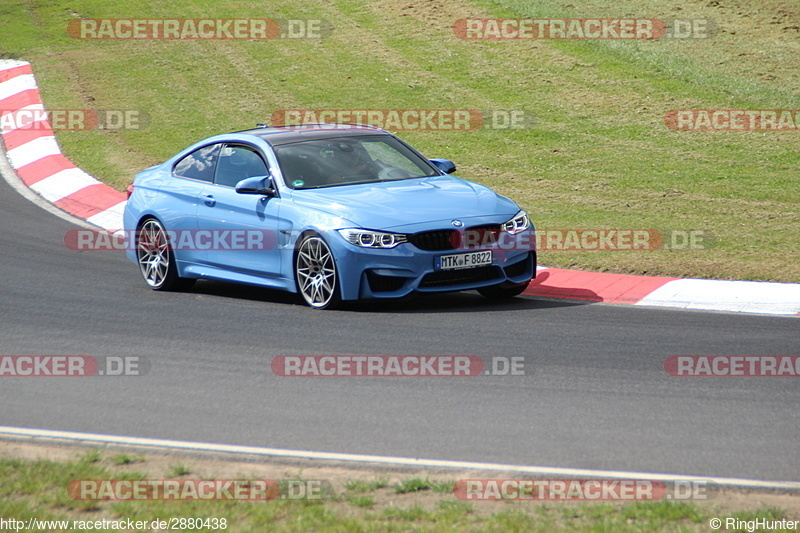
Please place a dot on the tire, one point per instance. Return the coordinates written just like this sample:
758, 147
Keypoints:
503, 290
156, 260
315, 273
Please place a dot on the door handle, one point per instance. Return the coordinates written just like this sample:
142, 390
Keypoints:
209, 201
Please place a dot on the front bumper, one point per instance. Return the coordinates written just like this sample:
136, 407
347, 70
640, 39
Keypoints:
366, 273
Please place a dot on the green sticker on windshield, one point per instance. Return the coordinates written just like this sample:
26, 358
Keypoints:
298, 183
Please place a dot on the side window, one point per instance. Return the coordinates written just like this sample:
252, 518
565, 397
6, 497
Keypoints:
199, 165
237, 162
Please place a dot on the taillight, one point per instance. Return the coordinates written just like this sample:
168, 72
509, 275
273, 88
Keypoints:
129, 190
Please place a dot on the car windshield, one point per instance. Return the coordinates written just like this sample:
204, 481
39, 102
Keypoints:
347, 160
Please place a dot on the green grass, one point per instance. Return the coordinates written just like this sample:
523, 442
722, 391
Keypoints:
178, 470
357, 486
37, 489
126, 459
415, 484
367, 502
599, 155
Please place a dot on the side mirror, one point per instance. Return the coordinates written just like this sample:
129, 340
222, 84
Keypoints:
445, 165
261, 185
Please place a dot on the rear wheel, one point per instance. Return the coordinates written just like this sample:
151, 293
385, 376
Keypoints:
156, 260
503, 290
315, 273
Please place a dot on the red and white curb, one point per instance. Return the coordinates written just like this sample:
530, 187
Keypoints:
37, 160
757, 297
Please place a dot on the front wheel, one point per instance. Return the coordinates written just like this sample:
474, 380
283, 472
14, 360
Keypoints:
315, 273
156, 260
503, 290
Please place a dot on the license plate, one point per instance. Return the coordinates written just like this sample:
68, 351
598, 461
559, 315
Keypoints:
459, 261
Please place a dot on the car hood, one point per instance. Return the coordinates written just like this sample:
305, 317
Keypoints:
392, 204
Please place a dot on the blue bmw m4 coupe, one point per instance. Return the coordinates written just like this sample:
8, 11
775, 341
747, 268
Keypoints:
333, 212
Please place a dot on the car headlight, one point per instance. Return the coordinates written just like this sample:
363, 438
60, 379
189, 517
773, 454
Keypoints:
372, 239
518, 223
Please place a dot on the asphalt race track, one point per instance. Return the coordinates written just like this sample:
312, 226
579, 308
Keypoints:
596, 395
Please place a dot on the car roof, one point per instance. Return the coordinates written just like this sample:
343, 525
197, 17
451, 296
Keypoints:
277, 135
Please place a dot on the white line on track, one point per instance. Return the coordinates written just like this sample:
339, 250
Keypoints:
95, 438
